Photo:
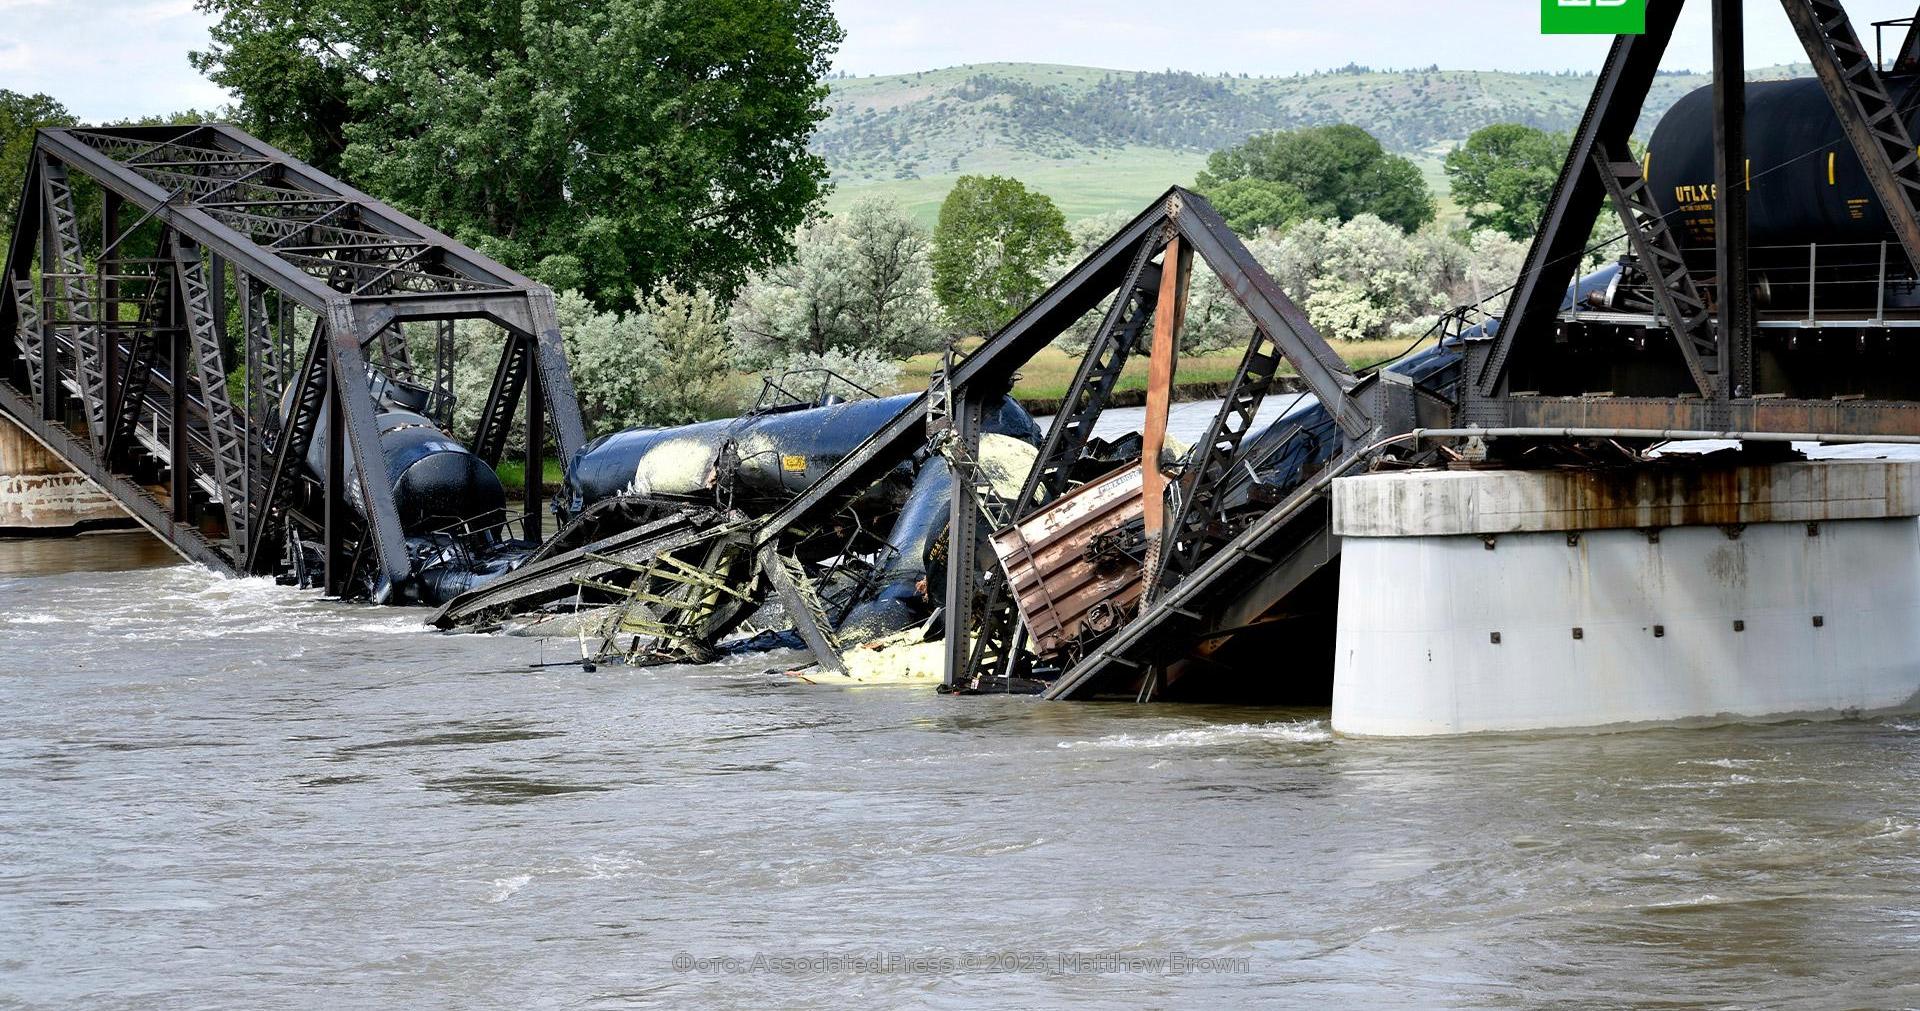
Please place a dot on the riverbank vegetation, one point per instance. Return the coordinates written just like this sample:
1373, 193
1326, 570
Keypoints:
695, 254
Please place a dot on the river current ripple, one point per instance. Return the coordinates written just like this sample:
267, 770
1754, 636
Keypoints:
222, 793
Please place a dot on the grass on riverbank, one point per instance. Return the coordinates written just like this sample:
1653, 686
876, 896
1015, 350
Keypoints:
513, 474
1051, 371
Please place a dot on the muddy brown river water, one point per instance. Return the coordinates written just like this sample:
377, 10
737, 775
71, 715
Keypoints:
230, 794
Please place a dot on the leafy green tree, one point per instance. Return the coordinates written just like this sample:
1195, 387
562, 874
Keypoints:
613, 146
992, 250
1361, 279
1503, 176
1251, 205
865, 372
663, 362
20, 115
690, 328
860, 282
1275, 179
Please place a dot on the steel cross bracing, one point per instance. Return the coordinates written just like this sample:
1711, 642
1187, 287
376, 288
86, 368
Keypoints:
1874, 125
28, 338
1209, 470
227, 430
67, 312
1618, 94
1540, 367
124, 334
1000, 636
1659, 256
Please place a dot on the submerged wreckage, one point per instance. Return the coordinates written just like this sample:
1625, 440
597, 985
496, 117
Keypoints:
868, 519
1475, 537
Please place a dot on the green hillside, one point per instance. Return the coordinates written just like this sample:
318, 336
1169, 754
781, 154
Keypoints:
1100, 140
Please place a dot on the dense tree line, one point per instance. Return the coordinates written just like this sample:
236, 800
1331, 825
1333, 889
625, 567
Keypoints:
618, 147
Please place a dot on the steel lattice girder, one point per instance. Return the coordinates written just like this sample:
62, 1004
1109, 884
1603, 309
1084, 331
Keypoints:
1086, 286
1118, 264
285, 228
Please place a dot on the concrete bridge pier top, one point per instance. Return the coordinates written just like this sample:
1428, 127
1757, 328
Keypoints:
40, 494
1681, 591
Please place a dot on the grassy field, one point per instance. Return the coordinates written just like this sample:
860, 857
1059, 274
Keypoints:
1051, 371
1124, 180
1120, 181
513, 474
1099, 140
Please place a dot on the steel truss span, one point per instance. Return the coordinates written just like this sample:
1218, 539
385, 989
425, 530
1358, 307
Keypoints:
191, 316
1732, 334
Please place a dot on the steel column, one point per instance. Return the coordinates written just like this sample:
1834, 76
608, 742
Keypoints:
536, 458
963, 541
346, 336
1730, 178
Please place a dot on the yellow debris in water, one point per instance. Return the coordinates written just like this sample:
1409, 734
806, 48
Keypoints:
898, 659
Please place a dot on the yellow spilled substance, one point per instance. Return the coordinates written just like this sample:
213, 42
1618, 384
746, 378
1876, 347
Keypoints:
903, 658
898, 659
1004, 462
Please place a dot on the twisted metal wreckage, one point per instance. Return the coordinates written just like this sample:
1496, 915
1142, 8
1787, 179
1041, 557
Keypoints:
1056, 562
1113, 559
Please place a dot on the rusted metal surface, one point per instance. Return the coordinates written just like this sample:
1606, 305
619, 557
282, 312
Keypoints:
1840, 417
1674, 491
1068, 573
1160, 372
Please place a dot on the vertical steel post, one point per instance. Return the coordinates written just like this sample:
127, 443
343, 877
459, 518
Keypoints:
963, 537
1880, 288
536, 457
51, 394
334, 487
1730, 210
179, 467
108, 285
252, 406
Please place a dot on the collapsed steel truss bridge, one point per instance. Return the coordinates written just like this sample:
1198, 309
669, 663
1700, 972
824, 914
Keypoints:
1682, 361
125, 341
191, 311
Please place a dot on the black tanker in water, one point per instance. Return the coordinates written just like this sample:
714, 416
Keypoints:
452, 506
756, 463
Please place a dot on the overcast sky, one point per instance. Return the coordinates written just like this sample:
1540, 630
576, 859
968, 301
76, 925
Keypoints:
107, 59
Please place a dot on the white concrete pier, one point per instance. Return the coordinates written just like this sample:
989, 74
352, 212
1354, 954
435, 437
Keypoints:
40, 493
1517, 600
